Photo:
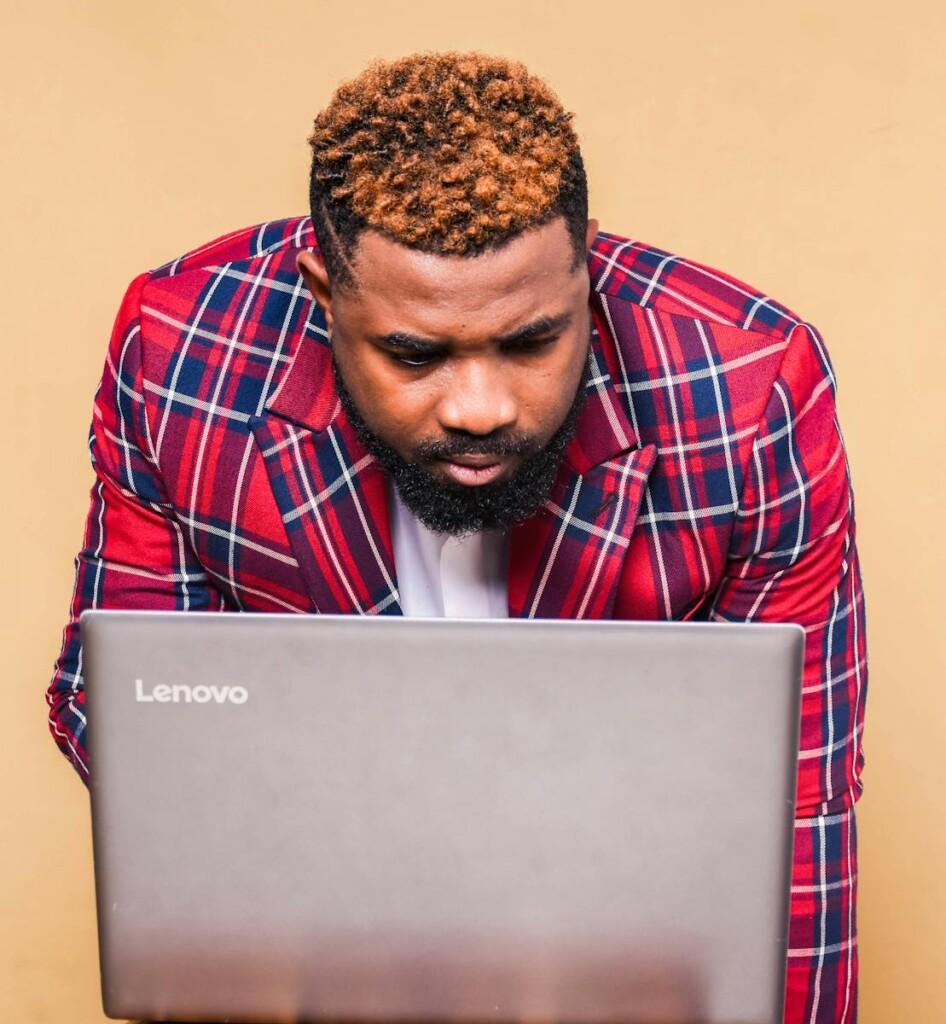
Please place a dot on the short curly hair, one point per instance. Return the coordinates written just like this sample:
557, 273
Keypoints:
448, 153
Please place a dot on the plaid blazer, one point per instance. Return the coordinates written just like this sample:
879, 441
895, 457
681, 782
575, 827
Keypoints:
707, 480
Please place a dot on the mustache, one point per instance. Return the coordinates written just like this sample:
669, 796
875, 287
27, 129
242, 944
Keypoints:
431, 451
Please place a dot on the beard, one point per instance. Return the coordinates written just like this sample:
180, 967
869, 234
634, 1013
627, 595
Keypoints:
445, 506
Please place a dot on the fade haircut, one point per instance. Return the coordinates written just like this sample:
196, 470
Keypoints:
448, 153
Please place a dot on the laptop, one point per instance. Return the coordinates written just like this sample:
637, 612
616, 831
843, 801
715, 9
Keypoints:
313, 818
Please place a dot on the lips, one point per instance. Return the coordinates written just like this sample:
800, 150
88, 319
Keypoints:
473, 470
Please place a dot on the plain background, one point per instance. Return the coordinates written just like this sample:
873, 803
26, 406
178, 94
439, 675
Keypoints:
800, 147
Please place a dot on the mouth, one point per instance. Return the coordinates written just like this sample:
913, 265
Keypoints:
474, 470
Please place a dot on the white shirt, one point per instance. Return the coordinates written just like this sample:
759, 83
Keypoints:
442, 575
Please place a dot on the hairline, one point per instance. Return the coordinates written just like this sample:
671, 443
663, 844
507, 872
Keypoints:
347, 255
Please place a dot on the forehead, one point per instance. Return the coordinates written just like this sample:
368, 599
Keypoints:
401, 289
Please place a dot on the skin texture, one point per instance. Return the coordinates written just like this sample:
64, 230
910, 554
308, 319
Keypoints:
476, 393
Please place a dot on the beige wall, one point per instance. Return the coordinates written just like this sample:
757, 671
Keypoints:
799, 146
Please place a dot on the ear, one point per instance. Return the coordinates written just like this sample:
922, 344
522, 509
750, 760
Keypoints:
312, 269
591, 234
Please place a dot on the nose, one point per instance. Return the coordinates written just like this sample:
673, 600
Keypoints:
478, 399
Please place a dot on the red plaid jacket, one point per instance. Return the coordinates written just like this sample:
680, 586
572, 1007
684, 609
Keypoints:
707, 480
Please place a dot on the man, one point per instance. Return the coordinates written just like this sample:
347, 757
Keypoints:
448, 393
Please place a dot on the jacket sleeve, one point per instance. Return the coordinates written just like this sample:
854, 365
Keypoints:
134, 552
793, 558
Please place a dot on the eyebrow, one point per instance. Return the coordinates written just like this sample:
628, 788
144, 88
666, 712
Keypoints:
537, 328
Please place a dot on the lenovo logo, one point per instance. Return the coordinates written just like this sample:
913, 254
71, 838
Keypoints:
181, 693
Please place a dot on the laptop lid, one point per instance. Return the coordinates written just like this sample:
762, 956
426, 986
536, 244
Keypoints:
315, 817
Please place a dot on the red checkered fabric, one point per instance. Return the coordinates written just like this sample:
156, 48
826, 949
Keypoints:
707, 481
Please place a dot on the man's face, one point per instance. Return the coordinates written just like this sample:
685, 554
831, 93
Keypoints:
462, 374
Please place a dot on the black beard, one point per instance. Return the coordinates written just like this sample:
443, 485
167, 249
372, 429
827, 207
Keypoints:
448, 507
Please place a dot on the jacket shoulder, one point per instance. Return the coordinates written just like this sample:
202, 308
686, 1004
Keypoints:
221, 321
650, 277
696, 351
245, 282
254, 242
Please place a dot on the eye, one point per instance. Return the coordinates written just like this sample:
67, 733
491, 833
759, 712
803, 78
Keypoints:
413, 361
531, 345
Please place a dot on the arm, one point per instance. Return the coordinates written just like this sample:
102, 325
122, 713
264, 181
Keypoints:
793, 558
134, 553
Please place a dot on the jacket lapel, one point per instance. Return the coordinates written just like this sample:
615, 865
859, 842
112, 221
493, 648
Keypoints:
330, 491
566, 560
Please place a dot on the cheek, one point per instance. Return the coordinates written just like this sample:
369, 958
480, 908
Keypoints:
394, 408
547, 392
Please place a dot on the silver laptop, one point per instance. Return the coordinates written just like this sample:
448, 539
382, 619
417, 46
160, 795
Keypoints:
305, 818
